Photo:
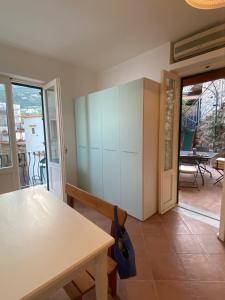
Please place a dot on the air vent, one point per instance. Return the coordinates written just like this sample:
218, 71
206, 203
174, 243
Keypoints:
199, 43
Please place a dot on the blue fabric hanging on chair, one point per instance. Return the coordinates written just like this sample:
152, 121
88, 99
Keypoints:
123, 250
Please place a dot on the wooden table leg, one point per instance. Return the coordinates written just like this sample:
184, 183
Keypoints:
101, 280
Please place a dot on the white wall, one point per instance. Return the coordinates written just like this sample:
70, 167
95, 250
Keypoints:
34, 142
74, 82
151, 63
148, 64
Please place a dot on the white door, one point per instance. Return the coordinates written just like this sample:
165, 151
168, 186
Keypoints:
168, 140
54, 138
9, 172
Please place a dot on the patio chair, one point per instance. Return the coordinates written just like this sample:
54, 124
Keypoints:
189, 170
204, 162
219, 166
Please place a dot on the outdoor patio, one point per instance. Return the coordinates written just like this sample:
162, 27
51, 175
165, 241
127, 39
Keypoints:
206, 199
202, 148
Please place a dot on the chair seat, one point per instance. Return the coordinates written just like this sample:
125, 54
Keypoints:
84, 282
72, 292
220, 159
111, 266
188, 169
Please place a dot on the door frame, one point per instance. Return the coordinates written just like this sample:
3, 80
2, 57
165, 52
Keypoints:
30, 85
203, 76
14, 168
61, 144
168, 177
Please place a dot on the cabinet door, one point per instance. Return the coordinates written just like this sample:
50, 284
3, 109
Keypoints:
95, 172
83, 168
111, 176
94, 120
82, 143
94, 124
131, 193
131, 116
131, 136
110, 118
110, 143
81, 121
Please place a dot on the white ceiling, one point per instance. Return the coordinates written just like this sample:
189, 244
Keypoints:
98, 33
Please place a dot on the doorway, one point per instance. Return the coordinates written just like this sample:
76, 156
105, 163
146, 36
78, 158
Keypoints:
32, 150
30, 135
202, 143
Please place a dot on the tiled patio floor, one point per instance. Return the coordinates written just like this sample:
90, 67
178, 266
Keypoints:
207, 198
178, 258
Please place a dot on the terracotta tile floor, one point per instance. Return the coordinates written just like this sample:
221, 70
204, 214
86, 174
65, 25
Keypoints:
208, 198
178, 258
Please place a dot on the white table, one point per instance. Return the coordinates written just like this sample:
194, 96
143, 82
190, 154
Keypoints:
44, 243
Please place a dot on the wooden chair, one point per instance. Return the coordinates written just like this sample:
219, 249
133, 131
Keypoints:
85, 282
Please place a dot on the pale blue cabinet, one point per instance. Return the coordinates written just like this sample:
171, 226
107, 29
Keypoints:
112, 145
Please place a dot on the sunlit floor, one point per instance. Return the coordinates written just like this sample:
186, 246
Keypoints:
207, 198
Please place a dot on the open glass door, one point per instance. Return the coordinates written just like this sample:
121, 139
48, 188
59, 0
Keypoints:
54, 137
9, 175
168, 140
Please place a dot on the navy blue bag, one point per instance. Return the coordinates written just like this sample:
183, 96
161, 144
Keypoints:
123, 250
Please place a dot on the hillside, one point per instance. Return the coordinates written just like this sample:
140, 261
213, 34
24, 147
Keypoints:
25, 97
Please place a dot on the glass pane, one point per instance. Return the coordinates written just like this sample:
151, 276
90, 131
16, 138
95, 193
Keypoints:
30, 139
169, 119
5, 149
52, 125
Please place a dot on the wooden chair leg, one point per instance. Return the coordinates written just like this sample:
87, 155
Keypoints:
113, 282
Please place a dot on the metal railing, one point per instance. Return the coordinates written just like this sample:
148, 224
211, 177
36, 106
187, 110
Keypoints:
32, 167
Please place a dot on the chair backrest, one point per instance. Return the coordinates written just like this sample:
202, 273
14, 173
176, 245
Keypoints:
101, 206
202, 149
191, 160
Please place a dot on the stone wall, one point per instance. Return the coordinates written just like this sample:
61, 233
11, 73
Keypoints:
211, 133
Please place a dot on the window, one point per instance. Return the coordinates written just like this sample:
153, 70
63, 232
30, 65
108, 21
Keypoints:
5, 147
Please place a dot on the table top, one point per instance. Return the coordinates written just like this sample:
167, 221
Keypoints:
209, 154
41, 239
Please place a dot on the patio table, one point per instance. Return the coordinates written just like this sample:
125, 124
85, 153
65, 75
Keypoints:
197, 159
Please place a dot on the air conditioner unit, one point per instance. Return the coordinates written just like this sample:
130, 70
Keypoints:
199, 43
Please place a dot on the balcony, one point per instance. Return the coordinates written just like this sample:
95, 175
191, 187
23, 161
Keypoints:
32, 167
